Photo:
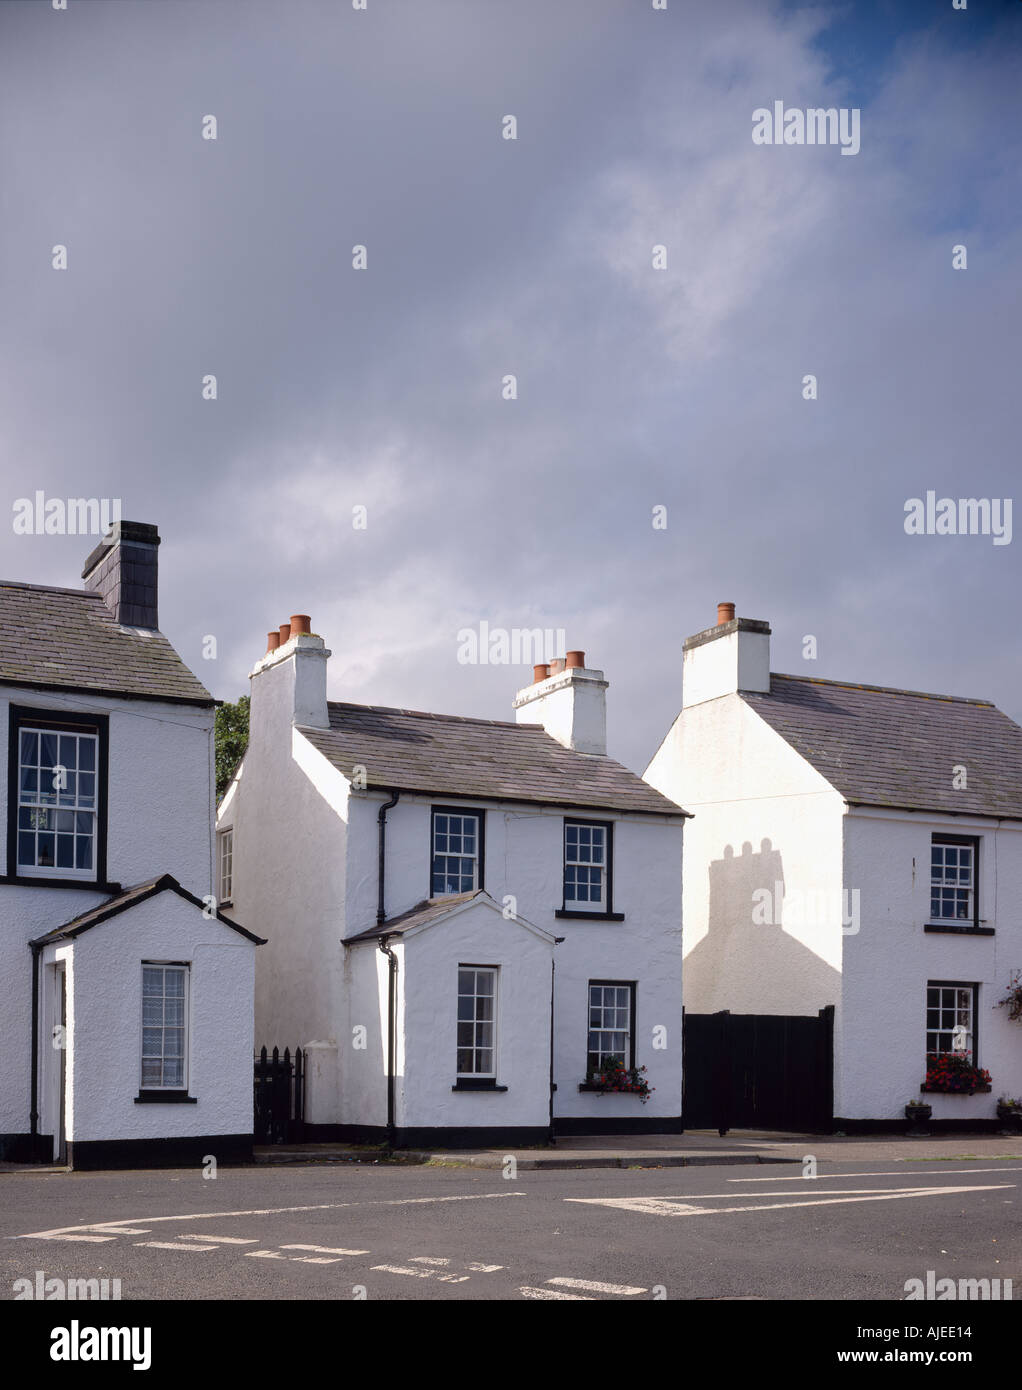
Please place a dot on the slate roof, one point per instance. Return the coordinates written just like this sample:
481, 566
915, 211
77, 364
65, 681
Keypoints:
456, 756
131, 897
416, 916
68, 639
897, 748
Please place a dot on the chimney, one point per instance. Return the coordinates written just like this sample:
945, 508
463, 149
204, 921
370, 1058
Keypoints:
570, 703
122, 569
292, 675
721, 660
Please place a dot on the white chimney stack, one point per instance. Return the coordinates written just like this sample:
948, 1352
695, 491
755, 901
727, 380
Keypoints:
297, 659
570, 701
734, 655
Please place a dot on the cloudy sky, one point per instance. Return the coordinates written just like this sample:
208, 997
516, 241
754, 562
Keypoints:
637, 388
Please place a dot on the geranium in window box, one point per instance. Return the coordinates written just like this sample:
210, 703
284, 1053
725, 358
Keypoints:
953, 1073
1012, 1001
1009, 1112
615, 1076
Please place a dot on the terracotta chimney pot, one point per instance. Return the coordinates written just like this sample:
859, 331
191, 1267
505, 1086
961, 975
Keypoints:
300, 622
539, 673
272, 641
557, 665
577, 659
725, 613
285, 633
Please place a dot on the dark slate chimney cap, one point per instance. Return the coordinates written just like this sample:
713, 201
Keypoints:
139, 532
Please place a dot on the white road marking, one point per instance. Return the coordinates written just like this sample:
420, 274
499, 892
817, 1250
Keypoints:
173, 1245
429, 1260
832, 1177
262, 1254
224, 1240
423, 1273
313, 1260
114, 1227
327, 1250
477, 1268
528, 1292
681, 1206
594, 1287
56, 1235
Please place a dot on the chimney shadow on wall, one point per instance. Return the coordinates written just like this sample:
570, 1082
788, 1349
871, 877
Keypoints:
747, 962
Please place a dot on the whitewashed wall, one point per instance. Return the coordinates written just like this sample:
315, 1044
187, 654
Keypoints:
881, 1062
104, 1028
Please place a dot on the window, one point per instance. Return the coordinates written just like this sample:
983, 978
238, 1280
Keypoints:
58, 772
953, 879
477, 1020
611, 1023
586, 863
225, 847
457, 852
164, 1026
950, 1017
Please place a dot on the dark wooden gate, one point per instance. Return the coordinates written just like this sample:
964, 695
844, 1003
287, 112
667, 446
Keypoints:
279, 1097
759, 1071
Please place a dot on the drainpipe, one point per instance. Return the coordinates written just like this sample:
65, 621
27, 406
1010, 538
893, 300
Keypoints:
382, 822
33, 1110
551, 1129
391, 1033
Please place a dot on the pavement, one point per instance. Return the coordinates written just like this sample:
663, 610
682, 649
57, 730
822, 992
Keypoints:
694, 1148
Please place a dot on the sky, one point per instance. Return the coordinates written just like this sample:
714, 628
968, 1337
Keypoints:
637, 388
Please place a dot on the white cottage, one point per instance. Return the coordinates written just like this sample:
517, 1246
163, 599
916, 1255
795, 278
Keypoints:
466, 919
126, 1026
857, 847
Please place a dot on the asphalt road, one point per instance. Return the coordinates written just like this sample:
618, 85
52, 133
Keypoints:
857, 1231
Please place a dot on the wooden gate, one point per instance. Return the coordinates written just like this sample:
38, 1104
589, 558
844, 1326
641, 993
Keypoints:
279, 1097
759, 1071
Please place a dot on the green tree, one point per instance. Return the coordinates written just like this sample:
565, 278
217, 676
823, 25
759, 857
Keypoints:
231, 737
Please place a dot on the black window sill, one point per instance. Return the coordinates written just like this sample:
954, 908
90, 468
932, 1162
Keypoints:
940, 1091
958, 929
165, 1098
32, 881
606, 1090
468, 1083
590, 916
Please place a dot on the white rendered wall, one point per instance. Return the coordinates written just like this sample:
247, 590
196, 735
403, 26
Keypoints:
159, 819
731, 662
104, 1029
761, 815
881, 1061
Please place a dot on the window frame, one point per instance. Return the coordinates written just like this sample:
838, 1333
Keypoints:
631, 986
605, 910
69, 722
960, 924
480, 815
224, 838
972, 986
479, 1080
146, 1090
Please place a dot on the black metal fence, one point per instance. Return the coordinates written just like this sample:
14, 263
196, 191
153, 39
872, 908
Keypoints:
279, 1097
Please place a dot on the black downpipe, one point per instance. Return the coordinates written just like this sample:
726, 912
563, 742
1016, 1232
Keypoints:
391, 1035
552, 1140
382, 823
33, 1109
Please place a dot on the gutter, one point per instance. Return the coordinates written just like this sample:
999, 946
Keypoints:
391, 1034
33, 1110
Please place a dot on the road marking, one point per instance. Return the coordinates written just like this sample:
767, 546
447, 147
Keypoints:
172, 1245
831, 1177
423, 1273
429, 1260
324, 1249
682, 1206
312, 1260
477, 1268
528, 1292
594, 1287
262, 1254
224, 1240
115, 1227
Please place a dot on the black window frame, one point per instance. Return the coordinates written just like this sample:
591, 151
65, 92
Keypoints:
973, 987
70, 721
632, 987
600, 914
480, 814
957, 925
